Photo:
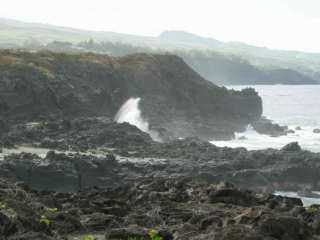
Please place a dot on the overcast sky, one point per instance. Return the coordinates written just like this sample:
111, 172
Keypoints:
280, 24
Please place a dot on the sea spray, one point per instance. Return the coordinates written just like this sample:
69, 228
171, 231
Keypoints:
130, 113
289, 105
252, 140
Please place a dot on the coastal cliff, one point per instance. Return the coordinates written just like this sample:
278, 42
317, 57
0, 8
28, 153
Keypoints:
176, 101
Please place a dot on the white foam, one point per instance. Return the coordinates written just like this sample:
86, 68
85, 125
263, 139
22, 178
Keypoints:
252, 140
130, 113
288, 105
307, 201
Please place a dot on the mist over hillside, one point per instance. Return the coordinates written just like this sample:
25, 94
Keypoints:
224, 63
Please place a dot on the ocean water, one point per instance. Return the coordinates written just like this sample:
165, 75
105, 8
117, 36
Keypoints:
305, 200
290, 105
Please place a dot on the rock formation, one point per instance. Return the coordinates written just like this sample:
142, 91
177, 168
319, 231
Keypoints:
175, 100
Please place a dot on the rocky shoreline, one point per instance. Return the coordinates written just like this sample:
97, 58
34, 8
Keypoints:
112, 181
68, 171
84, 147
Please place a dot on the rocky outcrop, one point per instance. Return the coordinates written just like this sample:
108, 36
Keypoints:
60, 172
175, 100
79, 134
267, 127
292, 147
317, 131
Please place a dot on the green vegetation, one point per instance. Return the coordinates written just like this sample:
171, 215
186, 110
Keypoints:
3, 205
88, 237
154, 235
44, 220
52, 210
6, 209
313, 209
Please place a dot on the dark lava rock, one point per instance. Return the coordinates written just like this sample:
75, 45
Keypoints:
3, 126
267, 127
292, 147
284, 228
61, 172
230, 195
97, 221
32, 236
243, 138
290, 131
234, 214
170, 187
316, 130
80, 135
173, 96
268, 170
131, 232
308, 193
7, 226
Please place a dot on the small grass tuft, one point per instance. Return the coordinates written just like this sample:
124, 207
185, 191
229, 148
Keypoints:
3, 205
154, 235
52, 210
44, 220
313, 209
88, 237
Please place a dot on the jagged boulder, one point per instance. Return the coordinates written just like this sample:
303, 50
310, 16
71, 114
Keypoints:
284, 228
292, 147
267, 127
316, 130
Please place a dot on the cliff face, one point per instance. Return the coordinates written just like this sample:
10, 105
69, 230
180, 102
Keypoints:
175, 100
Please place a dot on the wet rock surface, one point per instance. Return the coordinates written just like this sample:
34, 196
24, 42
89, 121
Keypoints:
267, 127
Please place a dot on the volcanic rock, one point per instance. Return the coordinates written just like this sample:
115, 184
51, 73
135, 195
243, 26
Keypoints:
174, 97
